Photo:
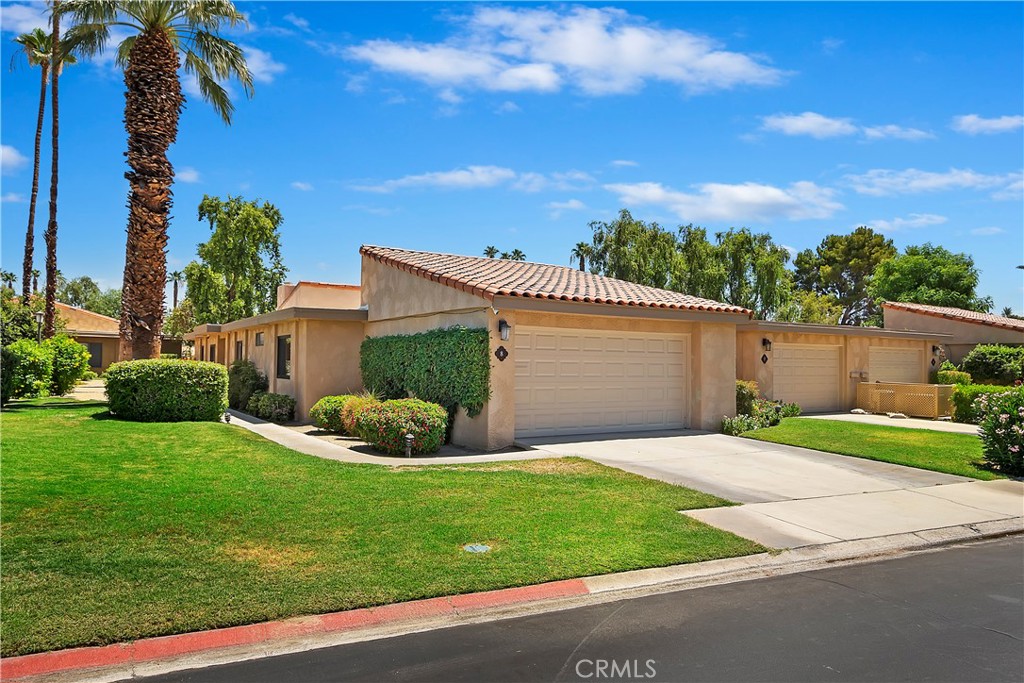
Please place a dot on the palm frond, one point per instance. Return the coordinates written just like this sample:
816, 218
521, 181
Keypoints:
226, 59
212, 91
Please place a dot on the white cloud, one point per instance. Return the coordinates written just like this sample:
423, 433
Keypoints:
508, 107
23, 18
475, 177
809, 123
725, 202
1013, 191
449, 96
13, 198
11, 159
597, 51
830, 45
297, 21
557, 208
262, 65
187, 174
914, 220
356, 84
623, 163
972, 124
991, 230
881, 182
302, 186
897, 132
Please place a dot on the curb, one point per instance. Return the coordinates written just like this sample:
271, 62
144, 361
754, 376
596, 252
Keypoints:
163, 654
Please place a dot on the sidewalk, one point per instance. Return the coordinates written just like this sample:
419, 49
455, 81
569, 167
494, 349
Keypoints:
909, 422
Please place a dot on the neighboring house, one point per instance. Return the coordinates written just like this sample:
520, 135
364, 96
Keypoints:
966, 329
100, 335
582, 353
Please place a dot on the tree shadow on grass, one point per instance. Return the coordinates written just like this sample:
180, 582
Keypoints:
37, 404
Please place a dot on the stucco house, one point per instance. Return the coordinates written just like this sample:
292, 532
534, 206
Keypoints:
571, 352
965, 329
99, 333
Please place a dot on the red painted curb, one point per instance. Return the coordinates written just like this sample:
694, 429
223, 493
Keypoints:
149, 649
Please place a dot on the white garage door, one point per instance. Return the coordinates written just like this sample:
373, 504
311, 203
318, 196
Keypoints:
894, 365
807, 375
583, 382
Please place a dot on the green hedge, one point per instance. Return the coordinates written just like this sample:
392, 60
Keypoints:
244, 380
31, 368
450, 367
384, 425
746, 393
326, 413
963, 399
167, 390
995, 363
953, 377
272, 407
70, 363
6, 375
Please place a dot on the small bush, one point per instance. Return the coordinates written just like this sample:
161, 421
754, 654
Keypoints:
352, 408
1002, 430
326, 413
790, 410
963, 399
948, 365
244, 380
31, 369
170, 356
70, 363
87, 376
157, 390
384, 425
995, 363
746, 393
734, 426
6, 375
763, 413
272, 407
952, 377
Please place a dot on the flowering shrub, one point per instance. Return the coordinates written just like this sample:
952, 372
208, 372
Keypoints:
384, 425
1002, 430
156, 390
326, 413
272, 407
964, 400
762, 413
350, 411
746, 393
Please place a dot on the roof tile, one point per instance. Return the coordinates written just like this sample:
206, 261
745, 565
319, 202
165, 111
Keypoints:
958, 314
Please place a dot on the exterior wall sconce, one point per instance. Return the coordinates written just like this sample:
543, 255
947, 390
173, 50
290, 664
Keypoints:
503, 329
936, 350
766, 344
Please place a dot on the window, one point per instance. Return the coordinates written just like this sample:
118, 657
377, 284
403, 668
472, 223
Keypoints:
238, 350
284, 356
95, 354
213, 353
202, 352
259, 339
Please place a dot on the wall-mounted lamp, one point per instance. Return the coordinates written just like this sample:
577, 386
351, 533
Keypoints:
936, 350
766, 344
503, 329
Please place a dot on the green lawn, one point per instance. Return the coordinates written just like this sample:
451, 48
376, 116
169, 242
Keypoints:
930, 450
115, 530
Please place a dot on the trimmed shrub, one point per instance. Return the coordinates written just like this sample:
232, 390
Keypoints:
1002, 430
88, 375
169, 356
272, 407
70, 363
746, 393
31, 369
350, 411
6, 375
963, 399
326, 413
156, 390
384, 425
790, 410
995, 363
450, 367
244, 380
948, 365
952, 377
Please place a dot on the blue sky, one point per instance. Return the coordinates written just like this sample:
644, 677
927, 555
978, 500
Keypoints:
453, 126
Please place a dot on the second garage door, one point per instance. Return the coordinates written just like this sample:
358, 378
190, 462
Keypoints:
807, 375
895, 365
572, 381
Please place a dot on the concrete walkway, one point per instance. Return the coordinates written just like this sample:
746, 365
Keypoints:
92, 390
796, 496
910, 422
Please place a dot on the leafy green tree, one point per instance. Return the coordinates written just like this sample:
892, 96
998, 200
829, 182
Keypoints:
756, 276
78, 292
17, 321
697, 269
106, 303
842, 267
582, 252
181, 320
811, 307
239, 267
929, 274
630, 249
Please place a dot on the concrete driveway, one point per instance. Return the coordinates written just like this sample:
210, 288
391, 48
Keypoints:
796, 496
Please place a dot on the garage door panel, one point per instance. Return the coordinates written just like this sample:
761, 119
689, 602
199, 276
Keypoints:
807, 375
894, 365
612, 382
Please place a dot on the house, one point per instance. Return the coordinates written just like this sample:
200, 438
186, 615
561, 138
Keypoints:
99, 333
966, 329
572, 352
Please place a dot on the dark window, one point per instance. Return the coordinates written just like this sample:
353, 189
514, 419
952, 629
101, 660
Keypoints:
238, 350
95, 354
202, 352
284, 356
259, 339
213, 353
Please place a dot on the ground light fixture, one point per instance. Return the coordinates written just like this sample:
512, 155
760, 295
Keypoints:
38, 315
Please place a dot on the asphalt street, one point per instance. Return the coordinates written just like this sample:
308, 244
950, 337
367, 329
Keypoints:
951, 615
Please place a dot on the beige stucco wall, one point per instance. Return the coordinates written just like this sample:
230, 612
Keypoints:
110, 350
318, 295
391, 293
965, 336
854, 357
77, 319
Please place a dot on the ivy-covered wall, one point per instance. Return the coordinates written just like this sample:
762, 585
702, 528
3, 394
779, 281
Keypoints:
451, 367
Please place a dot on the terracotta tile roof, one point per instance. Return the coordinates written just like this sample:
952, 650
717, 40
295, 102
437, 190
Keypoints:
491, 277
959, 314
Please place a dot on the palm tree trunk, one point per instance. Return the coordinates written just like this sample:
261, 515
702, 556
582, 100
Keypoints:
26, 269
583, 263
49, 320
175, 295
153, 103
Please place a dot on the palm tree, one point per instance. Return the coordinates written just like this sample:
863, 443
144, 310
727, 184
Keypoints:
35, 280
1007, 311
582, 251
491, 252
37, 48
164, 34
517, 255
50, 236
176, 278
8, 278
